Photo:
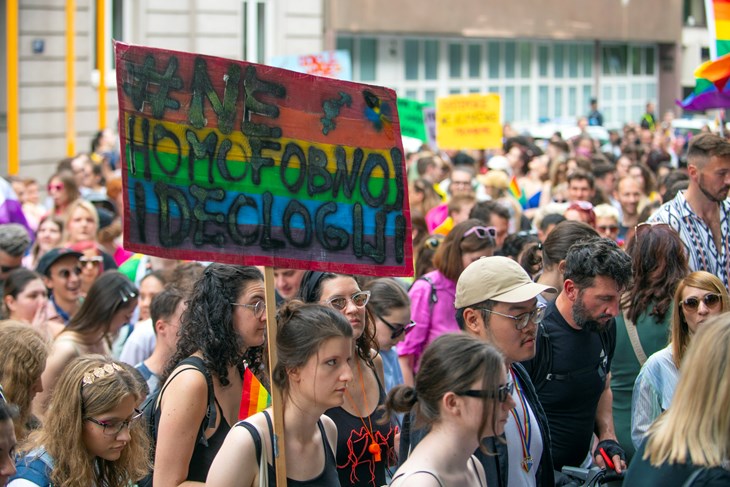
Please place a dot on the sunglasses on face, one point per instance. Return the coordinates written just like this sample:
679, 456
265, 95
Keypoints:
90, 261
258, 309
55, 187
692, 303
397, 328
7, 268
607, 228
66, 273
113, 428
481, 232
359, 299
523, 319
500, 394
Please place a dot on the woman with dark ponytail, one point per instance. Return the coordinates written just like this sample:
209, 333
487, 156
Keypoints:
224, 321
461, 395
314, 349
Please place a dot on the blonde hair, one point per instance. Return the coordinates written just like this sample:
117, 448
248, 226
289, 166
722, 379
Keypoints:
91, 209
24, 352
696, 427
74, 400
680, 334
606, 211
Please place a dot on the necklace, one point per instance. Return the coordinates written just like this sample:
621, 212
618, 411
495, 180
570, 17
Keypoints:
523, 427
373, 447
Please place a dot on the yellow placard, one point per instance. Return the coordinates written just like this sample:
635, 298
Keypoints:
468, 122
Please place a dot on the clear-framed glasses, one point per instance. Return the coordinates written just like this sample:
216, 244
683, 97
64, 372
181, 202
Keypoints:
481, 232
501, 394
359, 299
397, 329
522, 320
710, 299
113, 428
258, 308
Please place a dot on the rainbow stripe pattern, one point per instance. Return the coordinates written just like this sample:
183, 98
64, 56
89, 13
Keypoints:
711, 90
255, 397
517, 193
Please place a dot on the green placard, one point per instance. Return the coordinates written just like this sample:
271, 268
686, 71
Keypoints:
411, 118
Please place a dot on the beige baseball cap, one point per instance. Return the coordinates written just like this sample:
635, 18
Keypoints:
496, 278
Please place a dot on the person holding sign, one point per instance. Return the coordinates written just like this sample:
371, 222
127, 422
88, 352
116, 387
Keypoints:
364, 445
225, 318
314, 350
462, 394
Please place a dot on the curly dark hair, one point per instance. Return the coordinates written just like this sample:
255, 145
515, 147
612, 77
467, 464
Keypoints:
207, 323
310, 291
659, 263
589, 259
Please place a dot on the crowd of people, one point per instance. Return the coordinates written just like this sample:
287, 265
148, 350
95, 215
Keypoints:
569, 308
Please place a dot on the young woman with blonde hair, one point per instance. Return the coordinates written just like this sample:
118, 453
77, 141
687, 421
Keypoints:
698, 297
93, 437
690, 443
24, 352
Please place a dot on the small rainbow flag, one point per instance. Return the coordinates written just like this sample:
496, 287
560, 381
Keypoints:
255, 397
517, 192
711, 77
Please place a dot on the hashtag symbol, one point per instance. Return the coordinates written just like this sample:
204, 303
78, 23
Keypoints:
143, 80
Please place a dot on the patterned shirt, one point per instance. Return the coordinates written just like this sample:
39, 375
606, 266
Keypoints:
702, 253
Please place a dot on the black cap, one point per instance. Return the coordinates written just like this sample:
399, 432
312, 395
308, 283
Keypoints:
50, 258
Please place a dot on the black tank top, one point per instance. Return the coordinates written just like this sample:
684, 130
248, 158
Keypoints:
203, 455
355, 465
328, 477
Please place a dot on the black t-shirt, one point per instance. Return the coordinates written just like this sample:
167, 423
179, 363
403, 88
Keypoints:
642, 473
580, 361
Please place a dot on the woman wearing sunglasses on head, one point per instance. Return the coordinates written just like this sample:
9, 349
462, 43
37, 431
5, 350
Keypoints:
93, 436
699, 296
462, 395
391, 308
109, 305
364, 445
432, 295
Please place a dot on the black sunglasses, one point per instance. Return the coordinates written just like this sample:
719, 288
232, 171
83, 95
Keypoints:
397, 329
7, 268
500, 394
66, 273
692, 303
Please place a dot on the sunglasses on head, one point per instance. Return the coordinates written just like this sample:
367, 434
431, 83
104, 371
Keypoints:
359, 299
397, 329
481, 232
431, 243
692, 303
500, 394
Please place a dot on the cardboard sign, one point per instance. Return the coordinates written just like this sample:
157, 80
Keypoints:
411, 118
330, 64
241, 163
468, 122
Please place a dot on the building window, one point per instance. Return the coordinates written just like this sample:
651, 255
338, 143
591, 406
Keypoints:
694, 13
455, 61
254, 30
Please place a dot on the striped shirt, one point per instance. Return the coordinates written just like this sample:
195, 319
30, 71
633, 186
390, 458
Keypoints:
696, 235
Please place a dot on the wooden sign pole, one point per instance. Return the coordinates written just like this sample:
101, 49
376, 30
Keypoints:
277, 400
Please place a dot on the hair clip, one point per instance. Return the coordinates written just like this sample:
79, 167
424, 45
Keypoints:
99, 372
127, 297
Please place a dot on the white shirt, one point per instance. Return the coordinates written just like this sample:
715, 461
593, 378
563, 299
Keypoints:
517, 476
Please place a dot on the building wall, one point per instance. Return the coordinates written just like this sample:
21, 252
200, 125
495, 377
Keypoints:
218, 27
617, 20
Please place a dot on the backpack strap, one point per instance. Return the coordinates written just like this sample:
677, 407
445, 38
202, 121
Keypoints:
433, 298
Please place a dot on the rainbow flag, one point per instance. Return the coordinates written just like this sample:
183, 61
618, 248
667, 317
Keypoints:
517, 192
712, 76
255, 397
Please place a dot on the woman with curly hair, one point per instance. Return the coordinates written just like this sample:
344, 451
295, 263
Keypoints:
364, 445
314, 350
225, 319
109, 305
93, 436
24, 352
658, 263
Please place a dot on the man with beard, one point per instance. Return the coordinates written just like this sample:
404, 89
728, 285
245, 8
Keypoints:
701, 214
575, 346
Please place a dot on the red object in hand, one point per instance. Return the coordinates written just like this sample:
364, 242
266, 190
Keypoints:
607, 459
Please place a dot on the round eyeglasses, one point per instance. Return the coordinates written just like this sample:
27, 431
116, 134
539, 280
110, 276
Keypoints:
523, 319
257, 308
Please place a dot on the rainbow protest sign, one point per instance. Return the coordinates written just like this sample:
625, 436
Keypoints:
242, 163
